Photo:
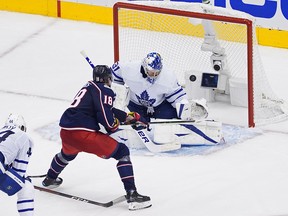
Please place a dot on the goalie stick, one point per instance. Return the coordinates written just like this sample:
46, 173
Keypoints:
106, 205
172, 122
155, 147
151, 145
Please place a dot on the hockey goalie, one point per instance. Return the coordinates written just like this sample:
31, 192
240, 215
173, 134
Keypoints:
151, 89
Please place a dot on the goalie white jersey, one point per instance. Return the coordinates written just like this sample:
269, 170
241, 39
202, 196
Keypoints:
146, 91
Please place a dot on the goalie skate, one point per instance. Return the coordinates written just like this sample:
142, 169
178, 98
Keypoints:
137, 201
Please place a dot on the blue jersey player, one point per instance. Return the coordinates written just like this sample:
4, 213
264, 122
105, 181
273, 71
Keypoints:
80, 132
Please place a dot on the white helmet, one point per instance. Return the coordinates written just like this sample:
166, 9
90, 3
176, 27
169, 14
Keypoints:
16, 120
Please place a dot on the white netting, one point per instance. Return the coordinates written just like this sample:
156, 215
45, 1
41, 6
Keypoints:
178, 39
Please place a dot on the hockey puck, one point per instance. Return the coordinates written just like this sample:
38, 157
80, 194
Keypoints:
192, 78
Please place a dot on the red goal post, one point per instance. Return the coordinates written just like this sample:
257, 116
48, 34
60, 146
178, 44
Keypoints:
135, 15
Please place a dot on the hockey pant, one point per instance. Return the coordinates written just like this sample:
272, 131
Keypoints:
11, 183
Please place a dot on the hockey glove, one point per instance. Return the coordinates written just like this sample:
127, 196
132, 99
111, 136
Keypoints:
138, 125
132, 117
136, 121
194, 110
115, 126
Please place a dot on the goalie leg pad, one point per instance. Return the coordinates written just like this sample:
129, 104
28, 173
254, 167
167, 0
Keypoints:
11, 182
128, 136
194, 133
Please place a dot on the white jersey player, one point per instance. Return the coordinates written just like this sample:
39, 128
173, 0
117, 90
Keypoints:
15, 151
154, 89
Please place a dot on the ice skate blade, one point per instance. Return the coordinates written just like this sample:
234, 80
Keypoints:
51, 186
137, 206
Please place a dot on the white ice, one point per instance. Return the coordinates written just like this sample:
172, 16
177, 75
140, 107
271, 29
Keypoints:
41, 69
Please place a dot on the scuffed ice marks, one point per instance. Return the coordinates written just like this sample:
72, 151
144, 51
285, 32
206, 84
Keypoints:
50, 132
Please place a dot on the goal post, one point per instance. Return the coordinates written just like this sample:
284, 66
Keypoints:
195, 40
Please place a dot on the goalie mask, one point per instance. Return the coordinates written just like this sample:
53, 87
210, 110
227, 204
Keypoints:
152, 64
16, 120
102, 74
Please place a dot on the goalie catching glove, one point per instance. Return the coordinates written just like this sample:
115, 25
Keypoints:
136, 121
193, 110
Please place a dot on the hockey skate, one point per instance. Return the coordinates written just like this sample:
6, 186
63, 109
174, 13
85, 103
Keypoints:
52, 183
137, 201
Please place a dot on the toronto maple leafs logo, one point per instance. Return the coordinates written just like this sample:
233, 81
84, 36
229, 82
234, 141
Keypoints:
145, 100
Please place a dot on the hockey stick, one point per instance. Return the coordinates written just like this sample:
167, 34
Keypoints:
149, 143
37, 176
172, 122
154, 147
106, 205
87, 58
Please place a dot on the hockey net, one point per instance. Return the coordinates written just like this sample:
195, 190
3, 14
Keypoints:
180, 31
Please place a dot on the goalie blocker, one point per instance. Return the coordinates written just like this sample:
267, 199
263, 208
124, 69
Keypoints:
194, 110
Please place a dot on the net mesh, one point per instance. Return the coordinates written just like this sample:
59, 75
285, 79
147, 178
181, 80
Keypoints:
178, 38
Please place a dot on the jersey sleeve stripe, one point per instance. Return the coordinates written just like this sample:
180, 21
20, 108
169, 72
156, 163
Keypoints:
178, 97
21, 161
19, 170
177, 92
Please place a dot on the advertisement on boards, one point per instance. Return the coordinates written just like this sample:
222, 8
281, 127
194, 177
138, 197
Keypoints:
268, 13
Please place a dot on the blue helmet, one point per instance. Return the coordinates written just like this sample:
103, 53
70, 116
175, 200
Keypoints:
152, 64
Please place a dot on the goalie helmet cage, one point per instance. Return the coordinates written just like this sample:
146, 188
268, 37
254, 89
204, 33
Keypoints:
176, 31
